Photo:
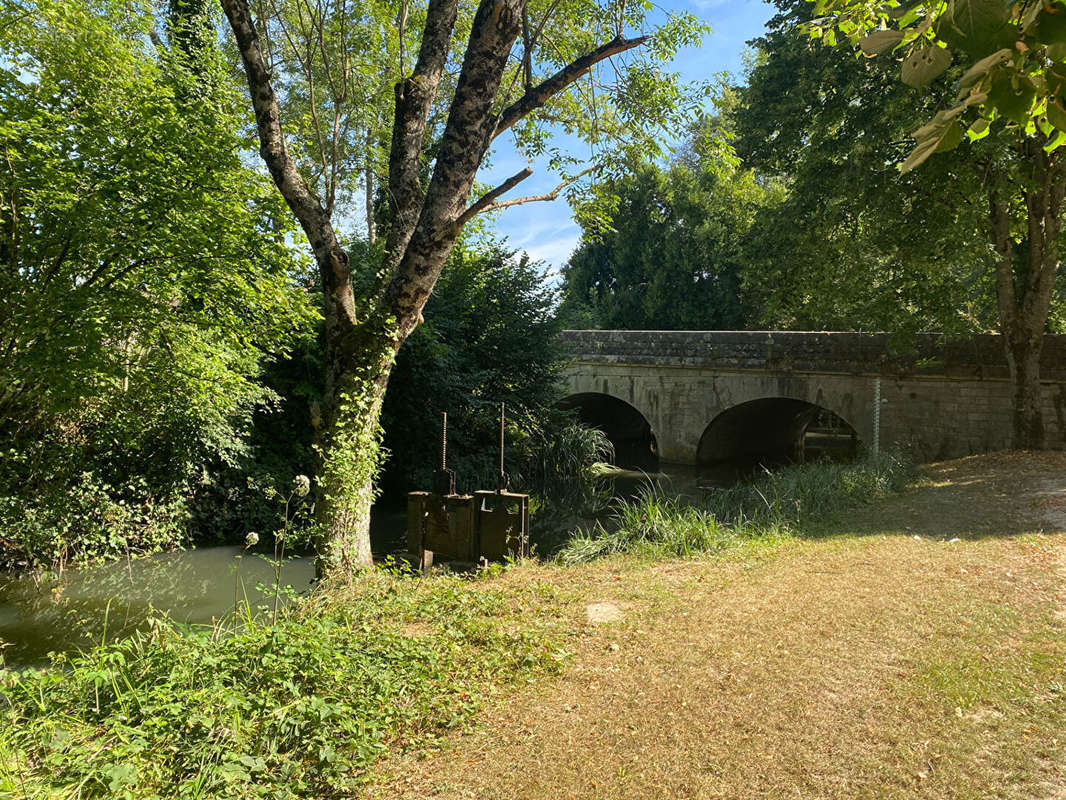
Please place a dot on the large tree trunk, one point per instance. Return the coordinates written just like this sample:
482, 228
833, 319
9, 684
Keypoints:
349, 452
359, 357
1025, 284
1024, 346
355, 374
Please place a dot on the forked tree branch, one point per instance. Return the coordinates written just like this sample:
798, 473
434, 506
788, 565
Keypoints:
290, 182
460, 151
540, 94
481, 207
489, 197
307, 208
414, 98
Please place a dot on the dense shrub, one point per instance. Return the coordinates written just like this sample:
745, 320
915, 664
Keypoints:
489, 337
85, 520
146, 281
562, 463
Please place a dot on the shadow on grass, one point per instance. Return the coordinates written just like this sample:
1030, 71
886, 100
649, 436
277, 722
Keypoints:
996, 495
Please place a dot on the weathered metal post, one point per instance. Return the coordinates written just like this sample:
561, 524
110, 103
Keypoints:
444, 478
504, 481
877, 417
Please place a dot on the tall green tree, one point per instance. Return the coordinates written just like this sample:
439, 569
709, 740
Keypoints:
855, 245
1013, 90
144, 271
452, 101
672, 256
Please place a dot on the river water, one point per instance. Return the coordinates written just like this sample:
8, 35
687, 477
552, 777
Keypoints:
198, 586
86, 606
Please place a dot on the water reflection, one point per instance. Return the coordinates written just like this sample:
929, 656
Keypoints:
688, 482
85, 605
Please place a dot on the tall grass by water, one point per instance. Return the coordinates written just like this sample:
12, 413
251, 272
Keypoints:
300, 707
762, 510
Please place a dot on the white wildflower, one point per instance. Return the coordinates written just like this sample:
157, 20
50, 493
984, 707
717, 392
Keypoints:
302, 485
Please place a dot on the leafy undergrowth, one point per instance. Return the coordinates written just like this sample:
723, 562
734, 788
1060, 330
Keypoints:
305, 707
296, 709
761, 512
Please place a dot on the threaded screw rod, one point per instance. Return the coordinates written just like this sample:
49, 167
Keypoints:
502, 417
443, 440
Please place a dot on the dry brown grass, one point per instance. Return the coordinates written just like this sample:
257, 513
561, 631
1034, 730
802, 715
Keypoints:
863, 663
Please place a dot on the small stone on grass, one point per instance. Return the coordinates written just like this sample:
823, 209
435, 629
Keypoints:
598, 613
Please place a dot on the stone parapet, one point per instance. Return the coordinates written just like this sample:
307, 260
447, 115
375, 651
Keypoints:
828, 352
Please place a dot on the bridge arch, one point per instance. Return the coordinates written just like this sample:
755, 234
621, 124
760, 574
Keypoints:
635, 445
776, 430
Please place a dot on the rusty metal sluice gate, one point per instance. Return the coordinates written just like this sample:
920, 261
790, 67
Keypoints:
466, 528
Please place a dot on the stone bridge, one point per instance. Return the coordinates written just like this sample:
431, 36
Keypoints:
692, 397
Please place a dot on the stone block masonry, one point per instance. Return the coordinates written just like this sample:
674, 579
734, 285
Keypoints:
942, 396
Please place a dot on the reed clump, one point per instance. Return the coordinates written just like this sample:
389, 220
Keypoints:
770, 507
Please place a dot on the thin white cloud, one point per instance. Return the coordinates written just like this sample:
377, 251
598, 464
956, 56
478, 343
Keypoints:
545, 231
555, 252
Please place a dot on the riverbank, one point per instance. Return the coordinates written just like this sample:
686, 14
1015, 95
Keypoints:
915, 648
300, 708
680, 513
848, 659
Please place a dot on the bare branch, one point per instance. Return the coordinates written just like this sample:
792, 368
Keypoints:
488, 198
320, 26
266, 45
460, 151
529, 42
544, 91
313, 218
527, 51
306, 61
401, 25
542, 24
293, 188
533, 198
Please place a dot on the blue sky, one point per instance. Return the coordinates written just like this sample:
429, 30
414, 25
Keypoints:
547, 231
